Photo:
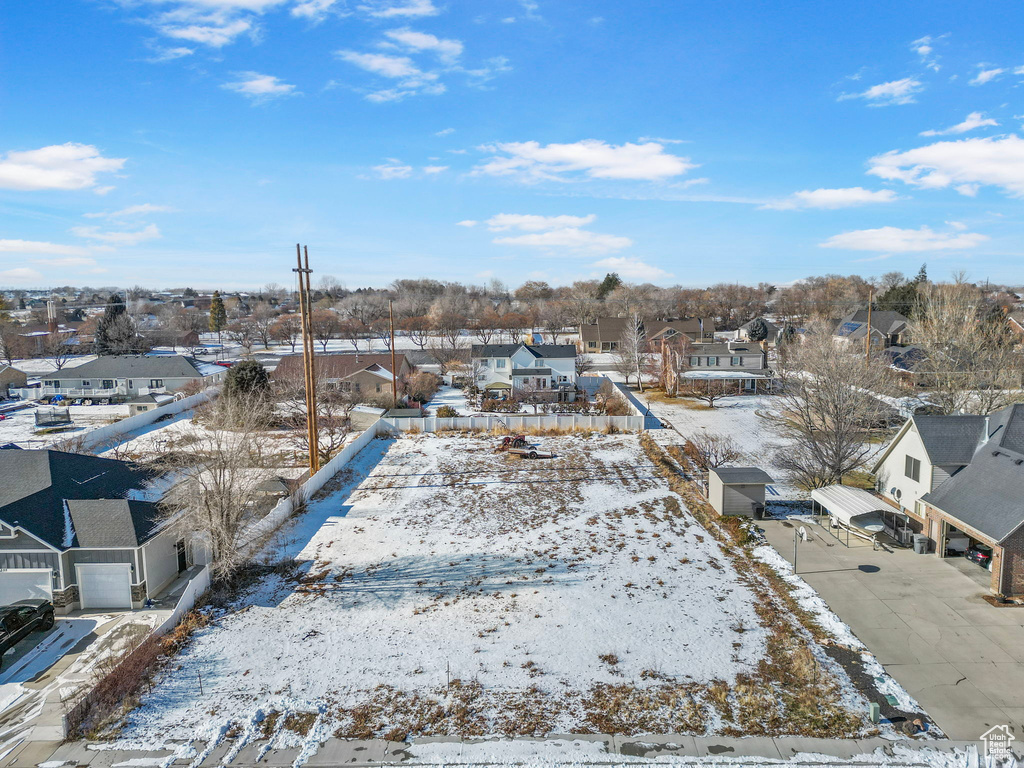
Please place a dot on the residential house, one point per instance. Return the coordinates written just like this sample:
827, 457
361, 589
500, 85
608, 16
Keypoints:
357, 373
173, 339
774, 332
504, 369
742, 362
960, 481
124, 377
11, 377
605, 334
83, 531
1016, 322
887, 328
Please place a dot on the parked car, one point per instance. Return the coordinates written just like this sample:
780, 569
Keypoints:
20, 619
980, 554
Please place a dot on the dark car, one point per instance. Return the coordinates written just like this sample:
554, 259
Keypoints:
19, 619
980, 554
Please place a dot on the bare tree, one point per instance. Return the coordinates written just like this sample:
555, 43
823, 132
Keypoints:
630, 358
711, 450
969, 363
287, 330
243, 333
333, 408
326, 325
584, 364
58, 350
262, 319
217, 495
827, 403
709, 391
418, 330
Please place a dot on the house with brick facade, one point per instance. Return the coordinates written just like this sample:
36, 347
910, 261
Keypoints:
960, 481
83, 531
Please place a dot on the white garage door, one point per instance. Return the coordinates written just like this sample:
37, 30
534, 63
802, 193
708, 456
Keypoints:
24, 584
107, 585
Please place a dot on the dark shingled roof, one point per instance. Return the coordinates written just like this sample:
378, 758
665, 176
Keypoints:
37, 483
742, 475
135, 367
537, 350
987, 494
950, 439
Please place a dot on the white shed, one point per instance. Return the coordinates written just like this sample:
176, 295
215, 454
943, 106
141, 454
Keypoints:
738, 490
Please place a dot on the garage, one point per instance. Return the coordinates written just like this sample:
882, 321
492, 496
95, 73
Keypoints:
25, 584
105, 585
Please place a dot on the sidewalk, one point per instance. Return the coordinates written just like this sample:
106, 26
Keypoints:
925, 620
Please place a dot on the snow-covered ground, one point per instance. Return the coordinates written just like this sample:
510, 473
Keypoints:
19, 426
450, 396
540, 588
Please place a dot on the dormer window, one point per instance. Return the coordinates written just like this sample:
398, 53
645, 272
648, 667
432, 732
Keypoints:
500, 362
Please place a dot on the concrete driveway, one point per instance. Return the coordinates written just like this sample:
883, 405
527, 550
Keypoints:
925, 620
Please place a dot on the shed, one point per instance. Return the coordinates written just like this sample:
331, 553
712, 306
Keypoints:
738, 490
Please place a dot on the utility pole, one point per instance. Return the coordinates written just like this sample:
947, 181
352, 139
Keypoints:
394, 373
867, 337
308, 354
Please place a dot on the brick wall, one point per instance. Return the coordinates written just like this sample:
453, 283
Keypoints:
1013, 564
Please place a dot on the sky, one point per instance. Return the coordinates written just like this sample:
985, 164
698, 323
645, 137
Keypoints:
174, 143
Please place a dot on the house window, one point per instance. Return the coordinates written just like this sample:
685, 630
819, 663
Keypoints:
85, 383
591, 345
538, 363
153, 383
108, 384
52, 383
378, 388
712, 361
500, 362
694, 361
131, 384
913, 468
737, 361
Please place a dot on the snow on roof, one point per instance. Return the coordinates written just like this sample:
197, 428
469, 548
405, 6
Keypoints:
736, 373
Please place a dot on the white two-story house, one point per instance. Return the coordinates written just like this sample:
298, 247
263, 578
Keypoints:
502, 369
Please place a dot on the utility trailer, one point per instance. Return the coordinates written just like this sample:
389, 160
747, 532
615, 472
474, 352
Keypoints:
517, 446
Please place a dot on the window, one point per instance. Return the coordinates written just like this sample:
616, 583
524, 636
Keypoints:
131, 384
712, 361
538, 363
694, 361
737, 361
913, 468
154, 383
378, 388
52, 383
85, 383
109, 384
591, 345
500, 362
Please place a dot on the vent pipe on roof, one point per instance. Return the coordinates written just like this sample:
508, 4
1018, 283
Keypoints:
987, 435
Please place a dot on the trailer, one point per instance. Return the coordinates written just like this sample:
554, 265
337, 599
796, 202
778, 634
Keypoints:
530, 452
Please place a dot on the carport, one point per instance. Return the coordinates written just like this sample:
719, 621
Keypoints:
860, 513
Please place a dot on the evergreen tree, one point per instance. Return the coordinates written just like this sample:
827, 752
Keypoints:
903, 298
115, 333
610, 283
218, 315
757, 330
247, 380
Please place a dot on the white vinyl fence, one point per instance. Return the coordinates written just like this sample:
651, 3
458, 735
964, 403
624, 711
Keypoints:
517, 421
110, 435
198, 584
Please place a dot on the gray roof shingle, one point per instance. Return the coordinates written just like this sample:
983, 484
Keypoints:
950, 439
742, 475
135, 366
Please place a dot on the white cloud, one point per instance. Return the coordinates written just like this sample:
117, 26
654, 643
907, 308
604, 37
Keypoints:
259, 87
170, 54
571, 238
37, 248
445, 132
925, 49
972, 121
411, 79
432, 170
832, 199
555, 232
131, 210
21, 275
896, 240
388, 9
632, 269
315, 10
884, 94
393, 170
149, 232
658, 140
447, 50
466, 223
531, 161
962, 164
533, 223
986, 75
59, 166
213, 34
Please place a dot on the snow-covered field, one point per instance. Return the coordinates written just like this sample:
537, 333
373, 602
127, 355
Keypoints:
442, 588
19, 426
451, 396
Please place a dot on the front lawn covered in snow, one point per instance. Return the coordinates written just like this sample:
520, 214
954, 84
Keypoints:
443, 588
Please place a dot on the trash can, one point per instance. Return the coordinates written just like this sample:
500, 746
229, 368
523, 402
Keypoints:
920, 544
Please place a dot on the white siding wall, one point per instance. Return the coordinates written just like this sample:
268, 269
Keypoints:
161, 562
892, 473
737, 499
